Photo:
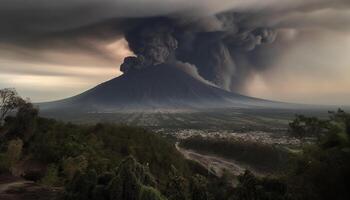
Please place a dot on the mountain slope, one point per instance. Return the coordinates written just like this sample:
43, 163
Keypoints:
161, 87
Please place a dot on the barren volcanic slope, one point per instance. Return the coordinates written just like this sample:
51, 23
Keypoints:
156, 88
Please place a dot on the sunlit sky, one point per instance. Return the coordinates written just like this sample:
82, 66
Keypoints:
58, 75
302, 75
312, 71
311, 60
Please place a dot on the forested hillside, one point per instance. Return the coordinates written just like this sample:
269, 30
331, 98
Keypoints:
116, 162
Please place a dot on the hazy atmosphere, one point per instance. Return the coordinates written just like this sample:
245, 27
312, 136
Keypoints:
292, 50
174, 99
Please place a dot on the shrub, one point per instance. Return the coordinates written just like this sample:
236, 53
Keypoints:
73, 165
12, 155
51, 177
82, 185
149, 193
177, 186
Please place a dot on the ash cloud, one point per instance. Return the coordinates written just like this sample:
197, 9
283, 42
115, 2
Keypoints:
153, 43
227, 41
211, 44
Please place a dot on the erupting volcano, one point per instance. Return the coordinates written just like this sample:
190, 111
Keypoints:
156, 88
176, 67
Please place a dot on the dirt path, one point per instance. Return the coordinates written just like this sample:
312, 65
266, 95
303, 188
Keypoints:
17, 184
215, 164
14, 188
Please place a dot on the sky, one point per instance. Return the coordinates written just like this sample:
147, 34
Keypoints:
55, 49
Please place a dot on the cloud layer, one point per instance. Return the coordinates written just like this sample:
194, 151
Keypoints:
65, 38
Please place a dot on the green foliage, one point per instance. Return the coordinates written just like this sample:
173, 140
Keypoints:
100, 192
14, 151
26, 120
74, 152
322, 171
129, 179
11, 156
303, 126
4, 164
9, 101
221, 188
266, 158
82, 186
253, 188
199, 187
51, 177
23, 124
177, 186
73, 165
149, 193
103, 146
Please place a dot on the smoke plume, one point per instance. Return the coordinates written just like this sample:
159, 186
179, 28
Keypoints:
211, 44
153, 44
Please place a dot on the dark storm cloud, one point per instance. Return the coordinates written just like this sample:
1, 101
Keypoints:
153, 41
24, 20
209, 43
223, 40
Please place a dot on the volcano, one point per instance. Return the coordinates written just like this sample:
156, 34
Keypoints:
155, 88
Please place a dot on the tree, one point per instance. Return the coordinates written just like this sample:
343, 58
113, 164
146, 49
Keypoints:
341, 117
251, 187
23, 123
82, 186
199, 188
149, 193
303, 126
14, 152
321, 171
221, 188
26, 119
73, 165
176, 188
129, 180
9, 100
